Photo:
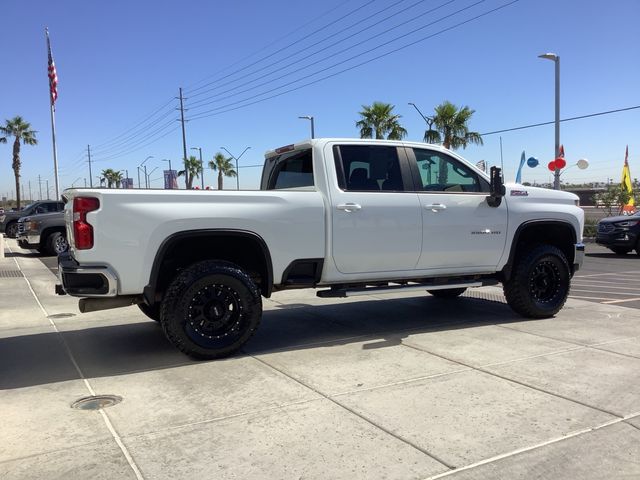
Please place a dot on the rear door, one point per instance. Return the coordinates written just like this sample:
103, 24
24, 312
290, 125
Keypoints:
376, 218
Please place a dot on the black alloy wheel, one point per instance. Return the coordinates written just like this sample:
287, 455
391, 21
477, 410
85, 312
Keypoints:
540, 282
12, 230
211, 309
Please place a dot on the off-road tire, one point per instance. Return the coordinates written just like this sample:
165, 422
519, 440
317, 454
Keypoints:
448, 292
153, 312
211, 309
539, 284
56, 244
12, 230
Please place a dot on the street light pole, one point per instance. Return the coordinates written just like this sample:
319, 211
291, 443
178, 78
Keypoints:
236, 159
428, 120
556, 59
201, 165
148, 182
310, 117
145, 172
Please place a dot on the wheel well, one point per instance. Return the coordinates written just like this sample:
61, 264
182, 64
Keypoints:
244, 249
558, 234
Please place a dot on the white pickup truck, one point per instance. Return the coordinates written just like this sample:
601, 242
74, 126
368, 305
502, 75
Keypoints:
346, 216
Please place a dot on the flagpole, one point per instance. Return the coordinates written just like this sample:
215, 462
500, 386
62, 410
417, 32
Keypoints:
53, 122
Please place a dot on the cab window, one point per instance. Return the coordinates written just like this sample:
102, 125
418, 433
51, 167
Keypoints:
441, 173
369, 168
290, 170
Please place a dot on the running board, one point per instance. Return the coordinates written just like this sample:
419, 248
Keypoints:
355, 291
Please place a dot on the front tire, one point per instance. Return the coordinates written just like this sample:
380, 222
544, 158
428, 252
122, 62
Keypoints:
539, 285
211, 309
447, 293
12, 230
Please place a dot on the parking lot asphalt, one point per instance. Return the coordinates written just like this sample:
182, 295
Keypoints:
402, 386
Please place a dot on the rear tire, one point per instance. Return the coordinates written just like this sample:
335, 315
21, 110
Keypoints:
57, 244
539, 285
448, 292
211, 309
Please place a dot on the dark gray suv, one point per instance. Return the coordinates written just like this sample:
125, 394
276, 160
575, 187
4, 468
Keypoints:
9, 220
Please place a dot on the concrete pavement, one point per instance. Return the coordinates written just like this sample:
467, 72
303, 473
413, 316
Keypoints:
401, 386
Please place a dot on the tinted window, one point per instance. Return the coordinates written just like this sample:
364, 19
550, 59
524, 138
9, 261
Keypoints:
290, 170
442, 173
369, 168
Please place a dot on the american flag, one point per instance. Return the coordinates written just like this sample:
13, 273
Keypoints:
53, 75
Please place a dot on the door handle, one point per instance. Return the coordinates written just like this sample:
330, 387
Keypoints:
349, 207
434, 207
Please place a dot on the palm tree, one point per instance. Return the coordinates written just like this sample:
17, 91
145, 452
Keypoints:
117, 178
191, 171
451, 127
21, 131
108, 175
379, 120
224, 167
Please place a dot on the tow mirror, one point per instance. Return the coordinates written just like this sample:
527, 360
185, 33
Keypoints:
496, 189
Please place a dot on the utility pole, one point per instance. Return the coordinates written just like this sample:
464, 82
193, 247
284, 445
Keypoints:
47, 189
40, 186
90, 176
85, 183
30, 196
184, 139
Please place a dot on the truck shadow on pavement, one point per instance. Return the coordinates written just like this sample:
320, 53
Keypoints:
137, 345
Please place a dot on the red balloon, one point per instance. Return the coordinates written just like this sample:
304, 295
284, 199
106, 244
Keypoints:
560, 163
552, 166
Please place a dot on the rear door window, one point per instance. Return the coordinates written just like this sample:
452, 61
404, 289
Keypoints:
369, 168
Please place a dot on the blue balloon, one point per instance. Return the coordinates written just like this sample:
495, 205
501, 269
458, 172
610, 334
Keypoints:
533, 162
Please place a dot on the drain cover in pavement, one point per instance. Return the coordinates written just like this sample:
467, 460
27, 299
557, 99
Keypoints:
10, 274
96, 402
61, 315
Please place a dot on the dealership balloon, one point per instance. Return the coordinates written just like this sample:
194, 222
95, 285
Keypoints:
552, 166
560, 163
533, 162
583, 163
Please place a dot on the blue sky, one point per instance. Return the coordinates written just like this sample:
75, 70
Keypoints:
119, 62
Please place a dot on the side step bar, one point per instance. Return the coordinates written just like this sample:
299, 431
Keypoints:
364, 290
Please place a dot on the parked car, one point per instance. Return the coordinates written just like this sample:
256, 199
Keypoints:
9, 220
620, 234
347, 216
45, 233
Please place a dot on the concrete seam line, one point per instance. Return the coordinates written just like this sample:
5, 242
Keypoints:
220, 419
550, 354
107, 422
526, 449
543, 336
632, 425
518, 382
402, 382
362, 417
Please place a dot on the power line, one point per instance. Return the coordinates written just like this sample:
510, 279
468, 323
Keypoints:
131, 148
284, 48
221, 110
562, 120
306, 49
301, 27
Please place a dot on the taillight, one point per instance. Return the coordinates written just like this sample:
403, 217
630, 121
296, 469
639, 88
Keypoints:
82, 231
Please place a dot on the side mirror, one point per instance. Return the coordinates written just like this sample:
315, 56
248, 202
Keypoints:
496, 189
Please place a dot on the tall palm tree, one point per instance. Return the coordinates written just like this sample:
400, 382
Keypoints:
108, 176
191, 171
379, 120
22, 132
224, 167
117, 178
451, 127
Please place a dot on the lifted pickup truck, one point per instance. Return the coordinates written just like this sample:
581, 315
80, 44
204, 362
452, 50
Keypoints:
347, 216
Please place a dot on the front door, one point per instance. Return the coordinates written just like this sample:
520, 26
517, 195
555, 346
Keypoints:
460, 230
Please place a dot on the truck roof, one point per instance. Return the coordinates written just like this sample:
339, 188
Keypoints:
320, 141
